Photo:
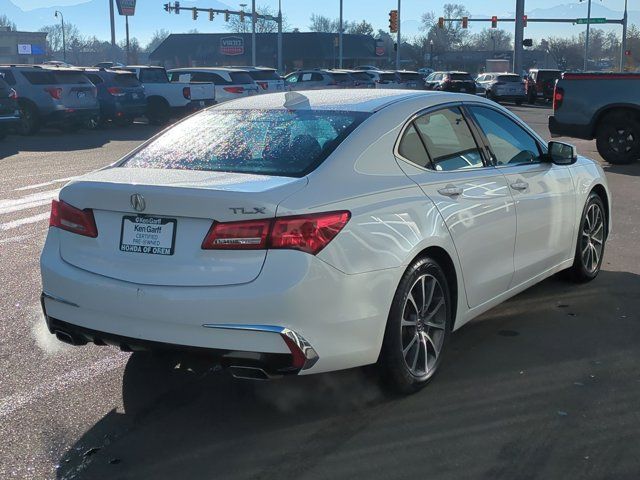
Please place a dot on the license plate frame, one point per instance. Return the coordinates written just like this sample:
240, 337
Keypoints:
149, 240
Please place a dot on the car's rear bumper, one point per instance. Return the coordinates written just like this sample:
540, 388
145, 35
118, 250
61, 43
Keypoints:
72, 115
341, 317
558, 129
7, 120
122, 110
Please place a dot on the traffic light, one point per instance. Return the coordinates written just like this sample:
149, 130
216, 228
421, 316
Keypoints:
525, 21
465, 22
494, 22
167, 7
226, 15
441, 22
194, 13
393, 21
242, 17
176, 7
212, 14
527, 42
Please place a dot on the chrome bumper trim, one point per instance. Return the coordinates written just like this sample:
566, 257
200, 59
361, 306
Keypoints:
292, 340
58, 299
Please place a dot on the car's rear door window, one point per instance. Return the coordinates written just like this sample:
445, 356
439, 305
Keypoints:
264, 75
449, 140
268, 142
127, 80
153, 75
241, 78
509, 142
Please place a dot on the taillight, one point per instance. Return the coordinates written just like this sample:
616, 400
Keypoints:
263, 85
73, 219
54, 92
13, 94
307, 233
115, 91
558, 97
186, 93
234, 89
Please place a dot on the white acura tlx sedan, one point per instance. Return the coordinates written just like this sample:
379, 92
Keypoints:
303, 232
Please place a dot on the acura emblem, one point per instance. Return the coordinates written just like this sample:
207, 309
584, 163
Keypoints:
137, 202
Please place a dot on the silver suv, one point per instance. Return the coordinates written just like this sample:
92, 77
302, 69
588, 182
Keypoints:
315, 79
52, 95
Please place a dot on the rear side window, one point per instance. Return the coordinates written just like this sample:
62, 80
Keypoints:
410, 77
95, 79
509, 78
387, 77
126, 80
268, 142
8, 77
70, 78
544, 76
460, 76
264, 75
240, 78
412, 148
153, 75
449, 140
361, 76
340, 77
39, 78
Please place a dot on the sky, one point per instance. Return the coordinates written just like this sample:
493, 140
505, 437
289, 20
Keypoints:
297, 12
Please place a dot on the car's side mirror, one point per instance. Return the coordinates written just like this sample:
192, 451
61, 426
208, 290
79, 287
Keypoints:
562, 153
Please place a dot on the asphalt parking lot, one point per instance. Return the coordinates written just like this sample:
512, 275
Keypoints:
544, 386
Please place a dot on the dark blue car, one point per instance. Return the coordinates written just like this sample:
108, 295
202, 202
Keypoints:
120, 93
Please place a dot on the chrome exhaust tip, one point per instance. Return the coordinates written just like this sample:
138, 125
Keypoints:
249, 373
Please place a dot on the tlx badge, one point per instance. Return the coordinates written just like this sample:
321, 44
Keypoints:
247, 211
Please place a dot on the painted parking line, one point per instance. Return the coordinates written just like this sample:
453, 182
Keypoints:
24, 221
28, 201
45, 184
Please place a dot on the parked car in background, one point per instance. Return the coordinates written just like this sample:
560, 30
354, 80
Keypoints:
110, 65
9, 109
360, 78
167, 99
366, 67
604, 106
318, 78
384, 78
425, 72
540, 83
120, 94
410, 80
501, 87
49, 95
451, 82
266, 78
229, 83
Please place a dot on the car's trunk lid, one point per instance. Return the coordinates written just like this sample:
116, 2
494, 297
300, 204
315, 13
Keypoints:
186, 202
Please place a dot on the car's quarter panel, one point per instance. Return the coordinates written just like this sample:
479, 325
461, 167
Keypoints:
545, 211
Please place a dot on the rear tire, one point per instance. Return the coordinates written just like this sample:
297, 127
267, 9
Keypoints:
418, 328
158, 112
592, 237
531, 99
618, 138
519, 101
29, 121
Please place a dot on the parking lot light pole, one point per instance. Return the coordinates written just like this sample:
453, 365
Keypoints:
431, 54
586, 40
64, 43
253, 33
280, 37
340, 38
398, 40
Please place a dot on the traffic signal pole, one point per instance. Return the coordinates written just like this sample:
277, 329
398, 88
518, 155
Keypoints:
586, 41
518, 37
398, 41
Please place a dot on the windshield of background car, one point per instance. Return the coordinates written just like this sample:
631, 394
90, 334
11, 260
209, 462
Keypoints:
410, 77
153, 75
461, 76
126, 80
264, 75
509, 78
267, 142
360, 76
240, 78
387, 77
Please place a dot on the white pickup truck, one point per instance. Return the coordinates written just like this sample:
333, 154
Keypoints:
167, 99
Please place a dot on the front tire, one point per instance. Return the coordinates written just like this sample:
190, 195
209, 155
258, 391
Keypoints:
592, 237
29, 119
618, 139
418, 328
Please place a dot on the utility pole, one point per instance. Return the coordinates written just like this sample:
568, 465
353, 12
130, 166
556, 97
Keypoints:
623, 49
340, 38
280, 66
126, 23
398, 40
64, 43
586, 41
113, 24
518, 37
253, 33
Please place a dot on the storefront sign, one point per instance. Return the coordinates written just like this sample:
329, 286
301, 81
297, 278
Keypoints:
232, 46
126, 7
379, 48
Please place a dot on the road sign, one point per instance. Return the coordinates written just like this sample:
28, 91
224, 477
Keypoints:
583, 21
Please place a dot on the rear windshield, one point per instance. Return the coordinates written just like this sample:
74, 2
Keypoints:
387, 77
241, 78
126, 80
410, 77
460, 76
542, 75
264, 75
509, 78
268, 142
55, 78
340, 77
361, 76
153, 75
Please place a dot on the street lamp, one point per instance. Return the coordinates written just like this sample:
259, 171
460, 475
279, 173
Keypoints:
431, 54
586, 40
64, 44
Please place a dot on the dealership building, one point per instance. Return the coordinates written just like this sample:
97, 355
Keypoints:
300, 50
22, 47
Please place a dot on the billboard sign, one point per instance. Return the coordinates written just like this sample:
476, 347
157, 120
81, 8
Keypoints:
24, 49
379, 48
232, 45
126, 7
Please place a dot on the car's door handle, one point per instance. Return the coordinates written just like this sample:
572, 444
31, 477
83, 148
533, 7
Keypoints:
450, 191
519, 185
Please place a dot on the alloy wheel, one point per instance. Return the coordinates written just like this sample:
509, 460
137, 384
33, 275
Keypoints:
423, 324
592, 239
622, 140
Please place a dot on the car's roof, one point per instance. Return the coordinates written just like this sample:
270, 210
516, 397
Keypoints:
364, 100
209, 69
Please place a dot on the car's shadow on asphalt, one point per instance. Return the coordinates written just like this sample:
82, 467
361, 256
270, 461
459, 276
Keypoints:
522, 394
52, 140
632, 169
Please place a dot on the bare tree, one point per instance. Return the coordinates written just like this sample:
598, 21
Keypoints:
157, 38
54, 37
362, 28
6, 22
320, 23
237, 25
452, 36
490, 39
